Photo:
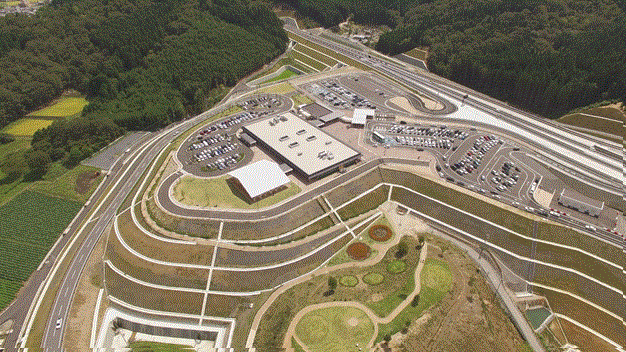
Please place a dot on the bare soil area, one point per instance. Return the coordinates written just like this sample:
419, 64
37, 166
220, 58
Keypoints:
84, 181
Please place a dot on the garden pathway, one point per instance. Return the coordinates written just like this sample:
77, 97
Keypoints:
373, 317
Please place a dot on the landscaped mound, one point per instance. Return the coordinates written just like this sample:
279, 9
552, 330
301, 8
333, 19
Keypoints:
396, 266
373, 278
348, 281
380, 233
359, 251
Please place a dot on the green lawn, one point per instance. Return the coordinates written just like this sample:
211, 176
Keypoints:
288, 73
335, 329
145, 346
217, 192
436, 281
31, 223
64, 107
26, 127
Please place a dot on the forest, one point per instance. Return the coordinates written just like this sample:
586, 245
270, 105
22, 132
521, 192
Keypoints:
545, 56
141, 63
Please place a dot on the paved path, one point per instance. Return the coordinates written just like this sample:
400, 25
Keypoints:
322, 271
373, 317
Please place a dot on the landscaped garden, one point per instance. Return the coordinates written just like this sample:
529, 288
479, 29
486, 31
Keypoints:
335, 329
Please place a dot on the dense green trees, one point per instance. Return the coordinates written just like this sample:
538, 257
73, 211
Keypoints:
547, 56
142, 63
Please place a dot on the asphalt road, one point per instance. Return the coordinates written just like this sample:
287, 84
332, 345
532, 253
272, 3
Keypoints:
18, 310
125, 176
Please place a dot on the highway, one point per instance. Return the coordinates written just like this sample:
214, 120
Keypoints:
123, 176
125, 173
550, 139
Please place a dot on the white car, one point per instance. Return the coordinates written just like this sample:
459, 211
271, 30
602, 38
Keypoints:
59, 323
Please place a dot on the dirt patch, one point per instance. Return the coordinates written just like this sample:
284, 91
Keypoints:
380, 233
84, 180
359, 251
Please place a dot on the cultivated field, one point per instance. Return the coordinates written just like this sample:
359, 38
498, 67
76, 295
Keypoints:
64, 107
26, 127
220, 193
31, 223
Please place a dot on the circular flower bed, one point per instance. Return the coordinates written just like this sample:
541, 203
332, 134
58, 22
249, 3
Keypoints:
396, 266
380, 233
358, 251
373, 278
348, 281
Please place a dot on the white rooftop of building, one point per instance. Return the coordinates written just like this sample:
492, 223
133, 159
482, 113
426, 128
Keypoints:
360, 116
260, 177
308, 148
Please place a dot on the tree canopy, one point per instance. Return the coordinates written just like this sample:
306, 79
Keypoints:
141, 63
546, 56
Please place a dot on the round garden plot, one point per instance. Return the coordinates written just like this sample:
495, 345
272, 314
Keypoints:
348, 281
396, 266
359, 251
373, 278
380, 233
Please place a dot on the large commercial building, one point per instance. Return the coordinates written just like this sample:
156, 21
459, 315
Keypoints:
307, 149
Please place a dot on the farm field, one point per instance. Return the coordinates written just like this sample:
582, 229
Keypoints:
217, 192
64, 107
26, 127
27, 235
335, 329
